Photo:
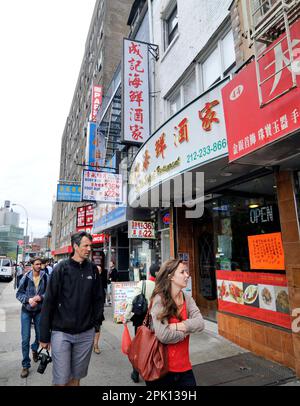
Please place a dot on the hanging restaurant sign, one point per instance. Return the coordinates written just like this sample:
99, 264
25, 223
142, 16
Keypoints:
136, 115
249, 126
266, 252
96, 148
101, 187
96, 102
141, 229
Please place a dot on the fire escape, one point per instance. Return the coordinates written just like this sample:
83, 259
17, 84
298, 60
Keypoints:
272, 19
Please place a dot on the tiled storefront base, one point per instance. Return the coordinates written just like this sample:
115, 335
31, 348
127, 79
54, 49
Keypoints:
271, 343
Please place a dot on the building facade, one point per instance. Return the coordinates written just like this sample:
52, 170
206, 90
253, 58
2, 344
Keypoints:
101, 57
225, 119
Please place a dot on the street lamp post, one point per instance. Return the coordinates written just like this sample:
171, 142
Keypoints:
26, 232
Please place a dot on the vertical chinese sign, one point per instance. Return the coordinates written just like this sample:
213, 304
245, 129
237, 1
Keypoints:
96, 147
136, 114
96, 102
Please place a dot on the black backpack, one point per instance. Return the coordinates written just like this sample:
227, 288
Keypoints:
140, 303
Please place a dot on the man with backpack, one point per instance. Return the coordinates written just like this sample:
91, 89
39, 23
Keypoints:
73, 306
31, 293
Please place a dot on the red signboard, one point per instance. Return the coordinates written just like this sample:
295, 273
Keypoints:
89, 216
96, 102
85, 217
80, 217
250, 127
259, 296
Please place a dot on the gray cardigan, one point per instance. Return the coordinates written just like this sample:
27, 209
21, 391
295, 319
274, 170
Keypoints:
161, 328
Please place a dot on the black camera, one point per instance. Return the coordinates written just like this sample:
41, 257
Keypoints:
45, 360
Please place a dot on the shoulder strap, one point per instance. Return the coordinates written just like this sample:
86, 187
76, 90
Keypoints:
143, 287
60, 271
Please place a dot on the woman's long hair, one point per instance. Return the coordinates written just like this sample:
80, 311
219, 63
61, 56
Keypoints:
163, 288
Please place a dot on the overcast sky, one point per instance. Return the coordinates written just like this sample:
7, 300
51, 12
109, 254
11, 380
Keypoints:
42, 46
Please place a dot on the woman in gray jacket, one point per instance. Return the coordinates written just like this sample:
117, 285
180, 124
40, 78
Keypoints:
175, 316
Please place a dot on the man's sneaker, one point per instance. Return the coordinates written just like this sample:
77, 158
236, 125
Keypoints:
24, 372
35, 356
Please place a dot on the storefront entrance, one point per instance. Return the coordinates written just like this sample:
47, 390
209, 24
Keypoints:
240, 220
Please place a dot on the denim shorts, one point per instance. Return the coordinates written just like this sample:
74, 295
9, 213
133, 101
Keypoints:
71, 354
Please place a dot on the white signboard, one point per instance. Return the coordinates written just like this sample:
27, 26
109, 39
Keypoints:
141, 229
136, 115
191, 138
101, 187
121, 292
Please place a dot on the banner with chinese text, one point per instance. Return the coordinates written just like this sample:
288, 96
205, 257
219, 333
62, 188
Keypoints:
101, 187
136, 113
96, 147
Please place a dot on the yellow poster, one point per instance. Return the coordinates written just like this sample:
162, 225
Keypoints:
266, 251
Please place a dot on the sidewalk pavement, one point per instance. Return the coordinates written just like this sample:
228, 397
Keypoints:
208, 350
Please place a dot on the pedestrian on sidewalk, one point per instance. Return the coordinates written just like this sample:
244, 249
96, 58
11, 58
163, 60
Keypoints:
98, 326
112, 276
175, 316
73, 306
31, 293
146, 286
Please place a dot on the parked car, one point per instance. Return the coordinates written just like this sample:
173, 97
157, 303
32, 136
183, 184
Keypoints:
7, 269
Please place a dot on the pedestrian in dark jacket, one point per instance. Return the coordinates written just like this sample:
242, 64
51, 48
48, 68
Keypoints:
31, 293
73, 306
112, 276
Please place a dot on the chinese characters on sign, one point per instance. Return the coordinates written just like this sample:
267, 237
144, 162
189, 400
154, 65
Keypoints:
96, 102
208, 115
141, 229
191, 138
96, 149
250, 127
136, 92
101, 187
259, 296
266, 251
68, 193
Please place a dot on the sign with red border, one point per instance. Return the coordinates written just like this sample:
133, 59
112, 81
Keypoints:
260, 296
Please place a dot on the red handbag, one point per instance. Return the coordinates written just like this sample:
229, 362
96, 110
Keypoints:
126, 340
148, 355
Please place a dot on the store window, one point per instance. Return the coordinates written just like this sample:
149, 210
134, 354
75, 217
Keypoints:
175, 103
189, 88
142, 255
171, 27
236, 219
249, 255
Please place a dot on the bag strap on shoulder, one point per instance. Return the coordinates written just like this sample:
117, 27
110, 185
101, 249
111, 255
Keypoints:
143, 287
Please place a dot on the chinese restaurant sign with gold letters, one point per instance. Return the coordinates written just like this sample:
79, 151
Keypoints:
193, 137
